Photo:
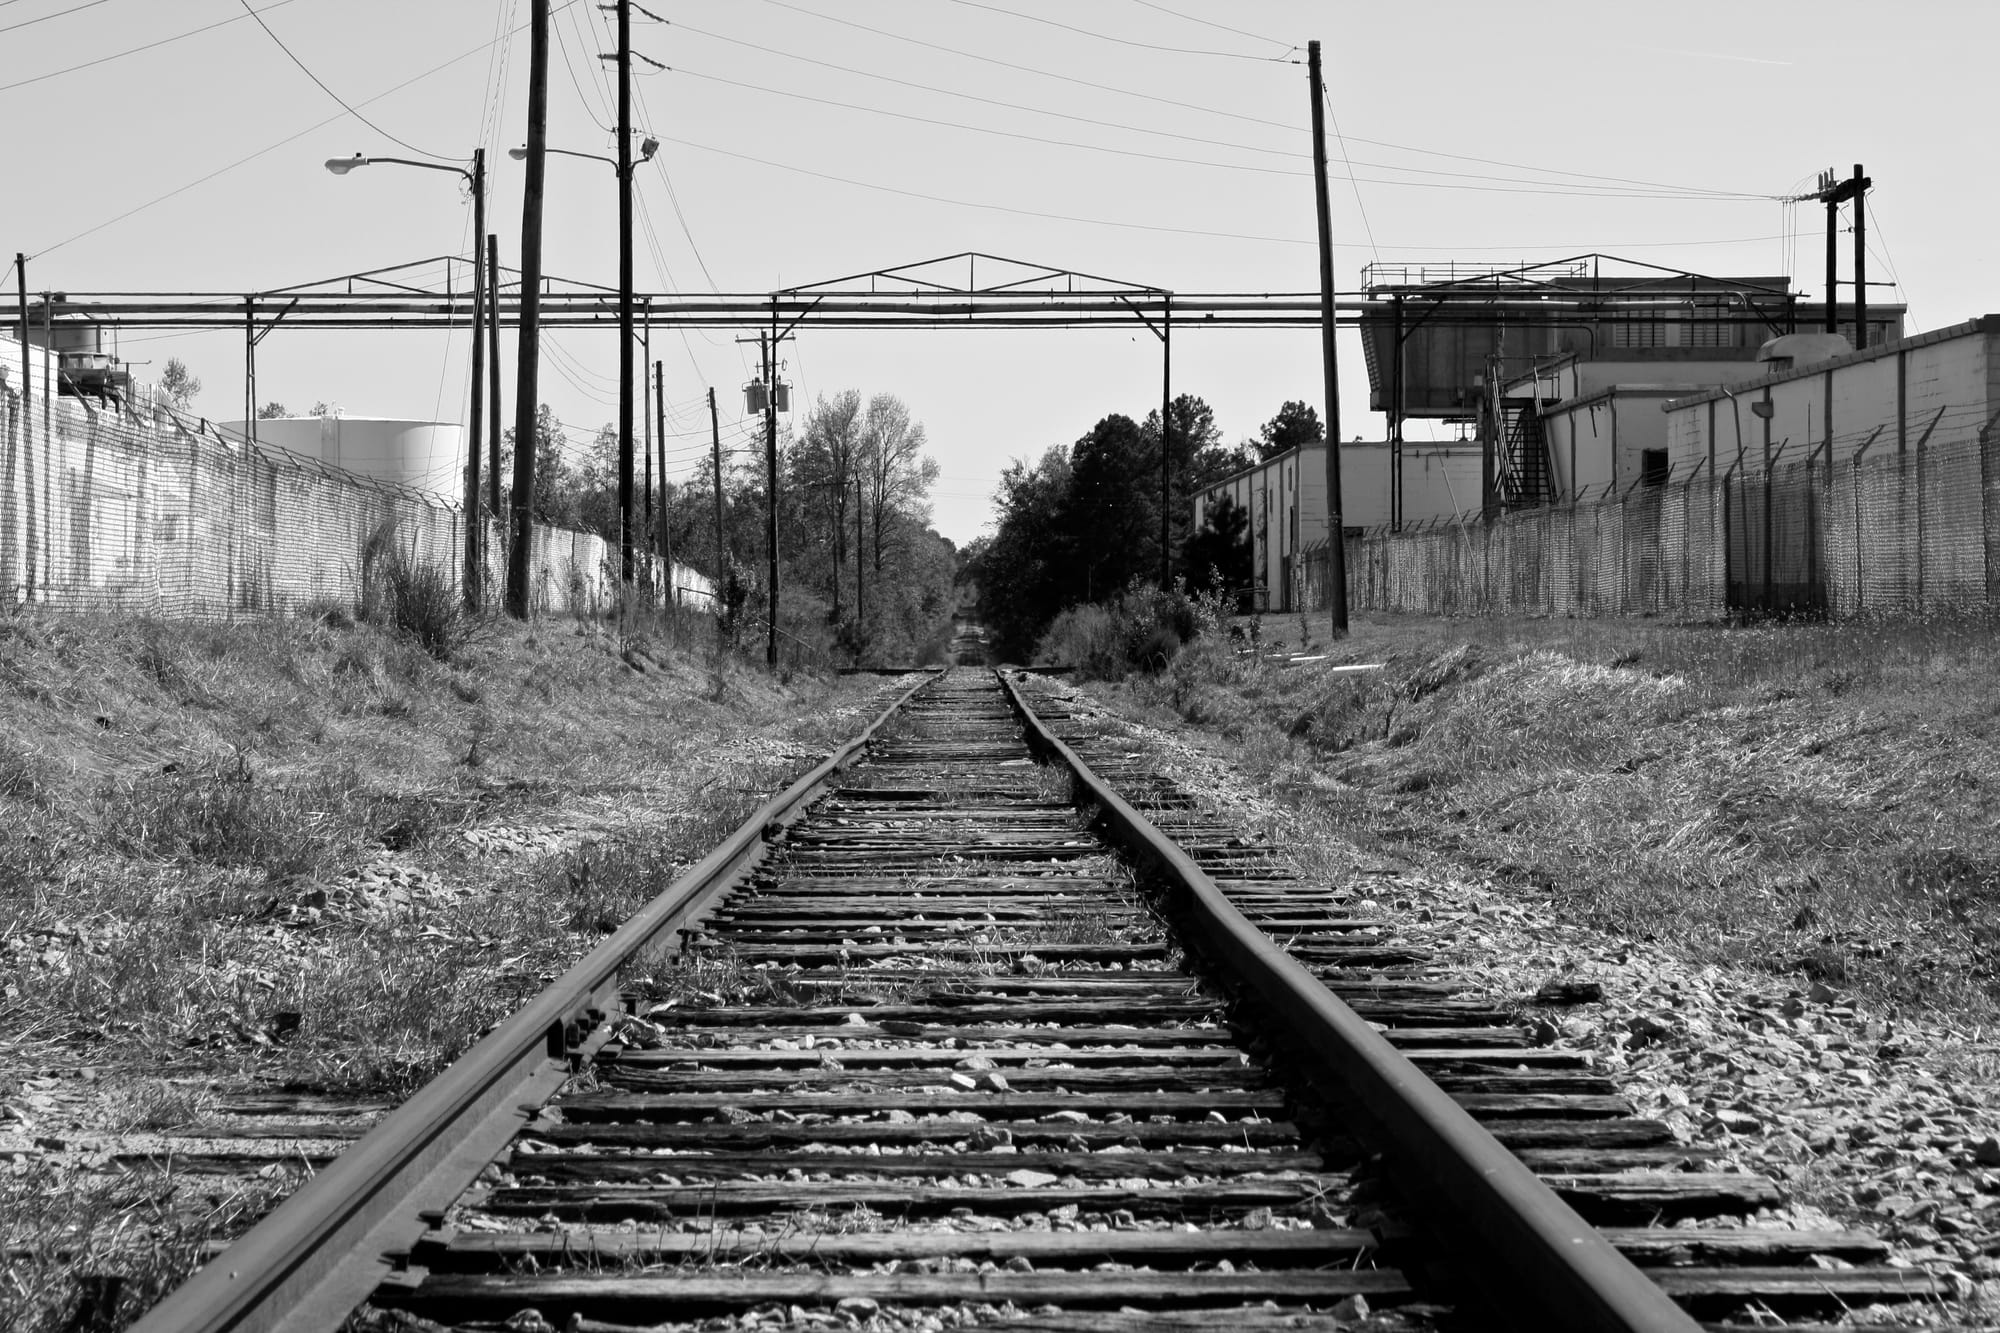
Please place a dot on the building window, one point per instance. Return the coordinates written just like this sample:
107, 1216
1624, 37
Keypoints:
1653, 467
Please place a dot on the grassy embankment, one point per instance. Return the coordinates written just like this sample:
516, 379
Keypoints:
312, 854
1815, 800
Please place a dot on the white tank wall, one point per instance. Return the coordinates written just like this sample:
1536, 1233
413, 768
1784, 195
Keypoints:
426, 455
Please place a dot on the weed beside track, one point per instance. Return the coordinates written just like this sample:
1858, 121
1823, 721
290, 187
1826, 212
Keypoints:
307, 858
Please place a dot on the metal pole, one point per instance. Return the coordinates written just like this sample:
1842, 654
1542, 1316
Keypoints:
721, 547
625, 371
492, 384
249, 365
661, 537
1336, 552
1166, 449
526, 390
771, 480
27, 451
1396, 424
860, 565
1860, 258
475, 416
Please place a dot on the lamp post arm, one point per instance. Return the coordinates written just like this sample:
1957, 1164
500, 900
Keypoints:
427, 166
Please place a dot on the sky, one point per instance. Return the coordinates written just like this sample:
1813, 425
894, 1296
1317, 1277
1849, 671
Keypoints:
175, 145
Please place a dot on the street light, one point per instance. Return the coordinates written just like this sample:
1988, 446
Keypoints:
475, 176
622, 169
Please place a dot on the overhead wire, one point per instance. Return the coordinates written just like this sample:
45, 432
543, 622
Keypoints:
1367, 227
323, 87
1113, 38
136, 50
59, 14
268, 148
1025, 69
1219, 27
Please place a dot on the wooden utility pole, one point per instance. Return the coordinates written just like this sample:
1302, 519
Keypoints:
625, 370
860, 589
476, 416
721, 541
1336, 550
526, 388
1833, 194
1166, 450
660, 534
492, 383
25, 445
771, 480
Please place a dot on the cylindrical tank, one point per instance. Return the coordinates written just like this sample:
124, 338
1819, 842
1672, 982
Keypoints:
426, 455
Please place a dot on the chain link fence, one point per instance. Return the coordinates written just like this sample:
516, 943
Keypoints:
136, 507
1847, 529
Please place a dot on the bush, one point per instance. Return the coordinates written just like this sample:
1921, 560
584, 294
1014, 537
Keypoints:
1141, 629
423, 602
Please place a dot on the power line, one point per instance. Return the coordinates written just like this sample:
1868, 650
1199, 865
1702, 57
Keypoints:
420, 152
1352, 184
1025, 69
135, 50
989, 101
1219, 27
966, 203
60, 13
980, 129
269, 148
1110, 37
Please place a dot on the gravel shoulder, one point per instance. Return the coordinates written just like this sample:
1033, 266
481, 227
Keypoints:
1870, 1115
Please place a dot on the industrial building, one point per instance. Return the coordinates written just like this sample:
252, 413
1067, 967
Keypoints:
1285, 498
1891, 398
1557, 365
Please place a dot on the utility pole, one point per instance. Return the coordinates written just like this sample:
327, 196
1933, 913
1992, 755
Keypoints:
526, 389
1166, 434
721, 544
492, 383
1833, 193
625, 372
27, 453
665, 537
860, 589
771, 481
475, 420
1336, 551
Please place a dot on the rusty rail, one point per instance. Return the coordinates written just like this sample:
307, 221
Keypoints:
1537, 1263
327, 1247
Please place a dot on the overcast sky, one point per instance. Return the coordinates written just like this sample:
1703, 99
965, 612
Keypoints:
1162, 143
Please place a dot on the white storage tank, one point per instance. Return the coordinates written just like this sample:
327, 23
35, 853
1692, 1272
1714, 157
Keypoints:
424, 455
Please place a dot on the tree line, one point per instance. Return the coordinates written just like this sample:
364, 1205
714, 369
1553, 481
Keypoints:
1082, 523
861, 573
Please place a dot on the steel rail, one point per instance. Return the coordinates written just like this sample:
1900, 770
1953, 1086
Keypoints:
327, 1247
1535, 1261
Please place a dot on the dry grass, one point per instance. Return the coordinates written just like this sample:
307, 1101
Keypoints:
186, 816
1813, 799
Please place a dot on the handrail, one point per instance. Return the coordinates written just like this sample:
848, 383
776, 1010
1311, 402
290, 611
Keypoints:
323, 1250
1537, 1263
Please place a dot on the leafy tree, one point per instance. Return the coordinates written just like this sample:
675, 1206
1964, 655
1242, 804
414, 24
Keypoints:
179, 383
1025, 571
827, 464
272, 410
555, 492
896, 473
1218, 556
1295, 424
1111, 514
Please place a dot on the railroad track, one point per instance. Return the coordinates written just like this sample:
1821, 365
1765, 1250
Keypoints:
947, 1036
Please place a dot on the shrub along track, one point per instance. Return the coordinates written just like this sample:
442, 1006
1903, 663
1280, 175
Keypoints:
936, 1060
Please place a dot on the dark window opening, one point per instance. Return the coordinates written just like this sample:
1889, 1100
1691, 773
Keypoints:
1653, 467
